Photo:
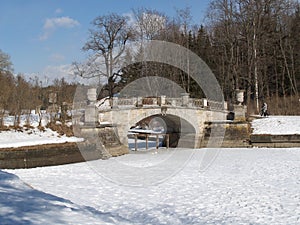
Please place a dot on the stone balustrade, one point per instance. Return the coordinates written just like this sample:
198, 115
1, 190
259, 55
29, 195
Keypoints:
184, 101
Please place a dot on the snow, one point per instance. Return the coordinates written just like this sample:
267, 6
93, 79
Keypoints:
22, 204
32, 136
32, 118
242, 186
277, 125
164, 186
14, 138
144, 131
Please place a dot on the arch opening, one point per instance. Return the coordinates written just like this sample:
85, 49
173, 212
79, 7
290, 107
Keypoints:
182, 134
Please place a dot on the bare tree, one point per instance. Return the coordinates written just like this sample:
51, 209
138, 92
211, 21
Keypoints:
5, 63
150, 24
7, 83
254, 42
184, 19
107, 44
225, 39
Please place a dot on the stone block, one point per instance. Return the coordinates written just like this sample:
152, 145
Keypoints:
90, 116
240, 112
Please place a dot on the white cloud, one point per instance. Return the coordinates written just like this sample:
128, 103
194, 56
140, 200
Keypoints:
58, 11
56, 22
52, 24
58, 72
66, 71
50, 73
44, 36
56, 57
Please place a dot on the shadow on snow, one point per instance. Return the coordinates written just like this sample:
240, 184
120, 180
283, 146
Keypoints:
21, 204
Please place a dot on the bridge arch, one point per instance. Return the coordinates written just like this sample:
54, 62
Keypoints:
181, 132
186, 123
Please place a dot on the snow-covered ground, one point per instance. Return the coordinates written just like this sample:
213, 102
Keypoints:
31, 137
241, 186
22, 204
277, 125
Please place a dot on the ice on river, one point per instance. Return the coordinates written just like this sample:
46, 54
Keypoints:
242, 186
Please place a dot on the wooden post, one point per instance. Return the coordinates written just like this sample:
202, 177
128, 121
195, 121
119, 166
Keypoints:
135, 143
168, 140
146, 141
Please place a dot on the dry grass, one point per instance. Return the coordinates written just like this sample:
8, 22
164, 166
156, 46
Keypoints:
61, 129
279, 106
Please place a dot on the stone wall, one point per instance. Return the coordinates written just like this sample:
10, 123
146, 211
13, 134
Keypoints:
275, 141
105, 139
58, 154
41, 155
237, 134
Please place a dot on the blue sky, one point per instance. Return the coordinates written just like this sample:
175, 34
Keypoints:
43, 37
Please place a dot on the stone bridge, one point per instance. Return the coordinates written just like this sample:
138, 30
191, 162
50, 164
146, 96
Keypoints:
183, 118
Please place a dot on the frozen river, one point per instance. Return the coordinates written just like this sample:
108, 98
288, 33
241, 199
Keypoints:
241, 186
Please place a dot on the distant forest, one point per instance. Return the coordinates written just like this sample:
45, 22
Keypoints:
252, 45
19, 96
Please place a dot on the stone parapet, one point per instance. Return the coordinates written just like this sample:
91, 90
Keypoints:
104, 145
275, 141
236, 134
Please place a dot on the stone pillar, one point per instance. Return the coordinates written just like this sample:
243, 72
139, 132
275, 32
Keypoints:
225, 105
92, 95
185, 99
100, 116
205, 104
162, 100
90, 116
139, 102
240, 109
173, 102
240, 112
115, 102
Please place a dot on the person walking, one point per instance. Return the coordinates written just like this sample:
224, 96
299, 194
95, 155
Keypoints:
264, 110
